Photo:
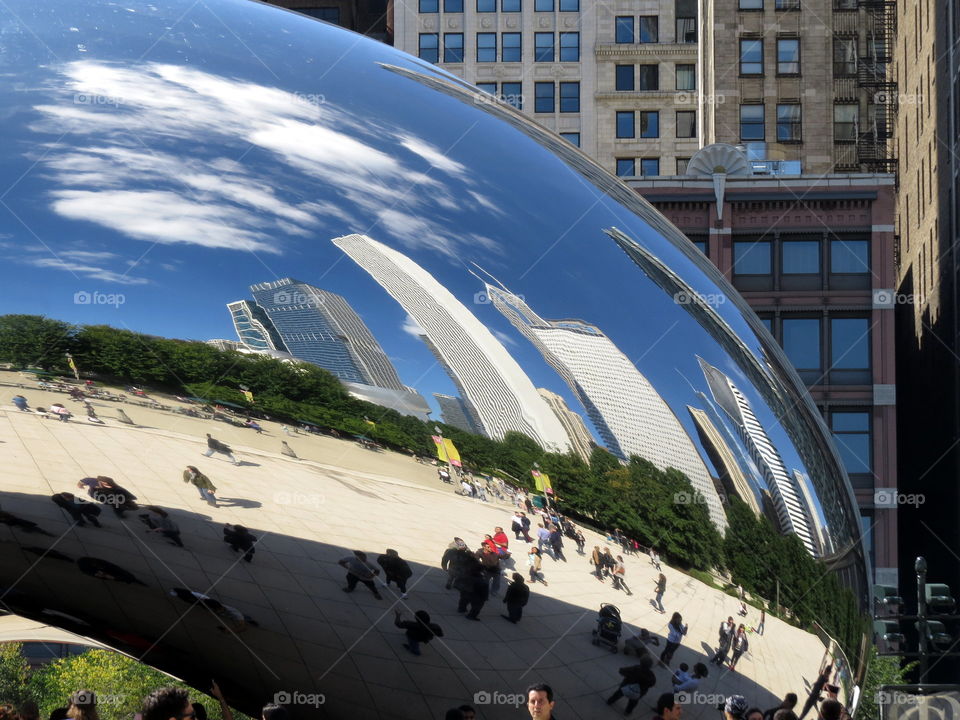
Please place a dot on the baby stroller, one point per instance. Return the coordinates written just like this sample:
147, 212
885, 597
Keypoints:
609, 627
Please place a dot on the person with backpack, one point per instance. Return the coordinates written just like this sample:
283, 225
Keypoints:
202, 483
420, 630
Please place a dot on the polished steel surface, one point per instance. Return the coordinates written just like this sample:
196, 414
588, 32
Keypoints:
161, 160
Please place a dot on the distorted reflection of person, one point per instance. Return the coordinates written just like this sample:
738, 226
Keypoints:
418, 631
233, 620
202, 483
79, 510
27, 526
240, 540
215, 446
158, 520
20, 402
106, 491
395, 569
83, 706
106, 570
46, 553
92, 414
63, 415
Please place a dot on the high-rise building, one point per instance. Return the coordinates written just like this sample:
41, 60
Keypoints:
731, 475
789, 503
628, 413
320, 327
254, 328
454, 412
620, 82
486, 375
373, 18
580, 438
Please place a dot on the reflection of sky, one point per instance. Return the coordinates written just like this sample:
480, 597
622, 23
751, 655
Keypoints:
183, 177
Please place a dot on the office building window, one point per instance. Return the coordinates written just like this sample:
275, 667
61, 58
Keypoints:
788, 56
569, 97
686, 29
845, 57
845, 119
510, 49
570, 47
427, 6
801, 342
751, 257
490, 88
800, 257
510, 6
626, 167
485, 6
543, 5
686, 124
543, 44
649, 29
788, 123
649, 77
453, 6
849, 257
767, 321
682, 170
853, 440
429, 47
686, 77
787, 5
751, 4
624, 77
624, 29
512, 93
543, 97
649, 123
486, 47
453, 47
569, 5
751, 122
751, 57
650, 167
849, 343
626, 124
571, 137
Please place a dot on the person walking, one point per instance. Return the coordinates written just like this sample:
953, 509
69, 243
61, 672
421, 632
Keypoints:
21, 403
580, 540
609, 563
474, 592
724, 640
240, 539
596, 559
202, 483
740, 645
420, 630
543, 537
516, 525
675, 632
395, 569
619, 572
157, 520
637, 680
534, 563
556, 542
763, 619
215, 446
525, 522
516, 598
358, 570
660, 588
79, 510
490, 562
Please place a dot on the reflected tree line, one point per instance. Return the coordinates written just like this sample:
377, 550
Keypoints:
655, 507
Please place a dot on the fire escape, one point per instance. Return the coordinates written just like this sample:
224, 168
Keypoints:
875, 77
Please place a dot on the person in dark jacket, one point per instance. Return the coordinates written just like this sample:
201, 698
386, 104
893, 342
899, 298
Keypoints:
556, 542
516, 597
215, 446
637, 675
420, 630
739, 645
239, 538
525, 523
789, 703
815, 691
79, 510
725, 637
474, 591
456, 560
105, 490
395, 569
158, 520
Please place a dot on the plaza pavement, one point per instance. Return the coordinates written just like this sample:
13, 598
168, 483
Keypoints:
311, 512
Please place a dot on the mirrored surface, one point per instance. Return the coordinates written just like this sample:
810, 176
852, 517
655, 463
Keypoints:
370, 260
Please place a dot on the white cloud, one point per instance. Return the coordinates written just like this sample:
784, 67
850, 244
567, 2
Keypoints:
410, 326
90, 271
503, 337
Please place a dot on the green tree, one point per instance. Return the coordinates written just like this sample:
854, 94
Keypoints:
34, 340
880, 671
14, 673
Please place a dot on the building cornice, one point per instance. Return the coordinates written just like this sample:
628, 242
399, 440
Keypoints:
646, 50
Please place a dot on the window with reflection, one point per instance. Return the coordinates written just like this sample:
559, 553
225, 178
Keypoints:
801, 343
510, 47
649, 77
624, 29
686, 124
569, 5
788, 56
486, 6
543, 47
490, 88
800, 257
626, 167
845, 119
570, 47
751, 57
849, 343
752, 257
751, 122
853, 439
429, 47
845, 56
682, 163
486, 47
543, 97
453, 47
510, 6
543, 5
650, 167
330, 14
649, 123
512, 93
649, 29
453, 6
624, 77
686, 77
571, 137
426, 6
849, 256
788, 122
751, 4
569, 97
686, 30
626, 124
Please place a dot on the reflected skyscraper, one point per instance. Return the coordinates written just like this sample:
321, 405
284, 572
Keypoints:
254, 328
453, 411
731, 475
488, 378
627, 411
580, 437
791, 512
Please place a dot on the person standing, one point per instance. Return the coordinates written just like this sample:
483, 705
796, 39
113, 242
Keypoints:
516, 597
395, 569
516, 525
525, 522
619, 572
534, 562
789, 703
740, 645
419, 630
543, 537
660, 588
668, 707
815, 691
490, 562
596, 559
725, 638
21, 403
474, 593
456, 559
556, 542
637, 680
763, 620
215, 446
358, 570
202, 483
675, 632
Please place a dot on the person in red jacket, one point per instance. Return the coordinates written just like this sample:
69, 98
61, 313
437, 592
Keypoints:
501, 542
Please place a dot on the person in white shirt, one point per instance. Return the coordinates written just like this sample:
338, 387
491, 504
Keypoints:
685, 682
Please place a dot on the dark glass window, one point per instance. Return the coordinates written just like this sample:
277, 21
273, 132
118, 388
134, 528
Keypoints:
426, 6
453, 47
650, 167
485, 6
649, 77
767, 321
626, 124
751, 4
510, 5
800, 257
490, 88
751, 257
453, 6
649, 123
543, 5
569, 97
844, 57
512, 93
801, 342
849, 256
789, 123
686, 77
682, 170
686, 29
486, 47
625, 32
330, 14
624, 77
543, 97
626, 167
543, 44
849, 343
787, 5
510, 50
570, 47
571, 137
845, 119
429, 47
751, 57
852, 437
649, 29
686, 124
788, 56
751, 122
569, 5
